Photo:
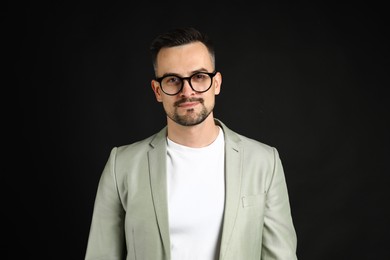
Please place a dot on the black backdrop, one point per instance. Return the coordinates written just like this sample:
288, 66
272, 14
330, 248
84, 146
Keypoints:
308, 79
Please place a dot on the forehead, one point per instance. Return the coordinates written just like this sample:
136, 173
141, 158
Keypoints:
183, 59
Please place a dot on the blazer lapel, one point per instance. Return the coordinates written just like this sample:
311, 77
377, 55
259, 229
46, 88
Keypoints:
233, 154
157, 171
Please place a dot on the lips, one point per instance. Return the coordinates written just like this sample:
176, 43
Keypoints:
189, 102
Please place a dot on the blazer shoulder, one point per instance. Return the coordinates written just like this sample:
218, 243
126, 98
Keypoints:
142, 146
255, 144
250, 145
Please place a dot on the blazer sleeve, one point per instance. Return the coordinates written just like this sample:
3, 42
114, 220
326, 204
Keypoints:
279, 237
106, 238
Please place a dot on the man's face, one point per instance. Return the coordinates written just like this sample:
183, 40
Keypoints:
188, 107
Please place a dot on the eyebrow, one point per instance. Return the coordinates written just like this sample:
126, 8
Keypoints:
191, 73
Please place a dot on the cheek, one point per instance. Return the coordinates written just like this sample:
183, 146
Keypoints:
167, 104
210, 98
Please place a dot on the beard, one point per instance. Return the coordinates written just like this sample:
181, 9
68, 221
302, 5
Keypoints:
190, 118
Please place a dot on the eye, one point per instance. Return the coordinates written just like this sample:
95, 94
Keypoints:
200, 77
172, 80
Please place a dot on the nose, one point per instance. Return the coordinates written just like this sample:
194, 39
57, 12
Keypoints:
187, 89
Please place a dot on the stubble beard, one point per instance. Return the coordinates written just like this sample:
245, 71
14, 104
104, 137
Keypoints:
190, 118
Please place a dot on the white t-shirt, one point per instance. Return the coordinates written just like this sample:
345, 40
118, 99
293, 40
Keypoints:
196, 195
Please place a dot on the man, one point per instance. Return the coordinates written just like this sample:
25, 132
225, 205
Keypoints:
196, 189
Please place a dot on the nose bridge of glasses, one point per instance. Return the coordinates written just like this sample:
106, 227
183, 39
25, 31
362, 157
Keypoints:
188, 79
184, 79
183, 82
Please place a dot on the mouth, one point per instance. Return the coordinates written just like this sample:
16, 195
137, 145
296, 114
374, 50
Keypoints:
188, 104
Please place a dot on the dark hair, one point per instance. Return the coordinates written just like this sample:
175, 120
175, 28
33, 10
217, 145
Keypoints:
177, 37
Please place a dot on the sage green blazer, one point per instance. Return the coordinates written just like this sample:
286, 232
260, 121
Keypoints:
130, 216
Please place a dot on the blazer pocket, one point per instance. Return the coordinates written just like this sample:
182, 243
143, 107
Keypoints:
253, 200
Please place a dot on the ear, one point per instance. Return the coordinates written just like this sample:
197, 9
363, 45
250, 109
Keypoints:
157, 90
217, 83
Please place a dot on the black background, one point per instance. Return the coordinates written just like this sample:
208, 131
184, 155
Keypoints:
309, 79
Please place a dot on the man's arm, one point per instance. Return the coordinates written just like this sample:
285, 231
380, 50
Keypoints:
279, 237
106, 238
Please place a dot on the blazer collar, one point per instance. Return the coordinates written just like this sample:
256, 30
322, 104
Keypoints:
230, 136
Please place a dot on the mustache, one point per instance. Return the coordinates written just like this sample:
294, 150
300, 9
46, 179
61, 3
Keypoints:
184, 100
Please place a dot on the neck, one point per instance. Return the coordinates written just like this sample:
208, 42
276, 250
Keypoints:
196, 136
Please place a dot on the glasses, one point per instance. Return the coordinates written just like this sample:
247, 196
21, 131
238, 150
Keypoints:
199, 82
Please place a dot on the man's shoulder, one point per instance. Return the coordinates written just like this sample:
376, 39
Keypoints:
254, 146
255, 143
245, 141
255, 151
143, 144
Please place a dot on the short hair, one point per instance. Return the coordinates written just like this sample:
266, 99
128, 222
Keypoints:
177, 37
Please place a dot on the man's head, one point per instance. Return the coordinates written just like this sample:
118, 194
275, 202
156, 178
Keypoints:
186, 81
